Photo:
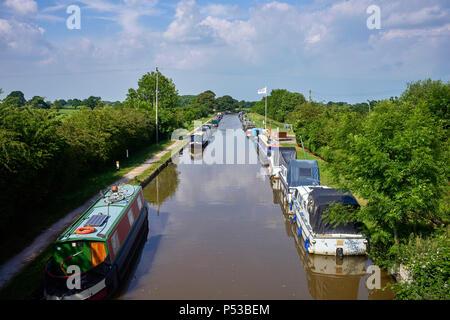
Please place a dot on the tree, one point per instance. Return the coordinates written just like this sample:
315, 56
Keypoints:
227, 103
15, 99
186, 100
205, 99
59, 103
280, 104
92, 102
398, 164
433, 95
38, 102
145, 95
75, 103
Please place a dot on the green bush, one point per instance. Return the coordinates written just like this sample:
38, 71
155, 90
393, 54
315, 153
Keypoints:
428, 263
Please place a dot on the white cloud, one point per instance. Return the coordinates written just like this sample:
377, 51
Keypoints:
272, 40
417, 16
22, 7
220, 10
22, 39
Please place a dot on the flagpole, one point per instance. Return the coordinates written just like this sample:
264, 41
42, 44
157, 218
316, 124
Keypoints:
265, 114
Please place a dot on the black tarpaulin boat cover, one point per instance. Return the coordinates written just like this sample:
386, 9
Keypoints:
320, 199
303, 173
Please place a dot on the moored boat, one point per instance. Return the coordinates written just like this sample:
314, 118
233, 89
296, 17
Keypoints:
253, 132
201, 137
294, 173
280, 159
91, 258
309, 204
265, 145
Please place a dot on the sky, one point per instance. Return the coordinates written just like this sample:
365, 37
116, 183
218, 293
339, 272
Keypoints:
230, 47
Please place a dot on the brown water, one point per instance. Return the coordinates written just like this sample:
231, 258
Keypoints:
218, 232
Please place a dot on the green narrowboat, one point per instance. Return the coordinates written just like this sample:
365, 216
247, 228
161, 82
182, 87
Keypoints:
91, 258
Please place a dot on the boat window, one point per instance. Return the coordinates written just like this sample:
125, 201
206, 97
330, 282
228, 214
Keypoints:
115, 242
140, 202
131, 217
305, 172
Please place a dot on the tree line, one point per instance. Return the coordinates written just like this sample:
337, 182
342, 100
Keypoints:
44, 154
396, 158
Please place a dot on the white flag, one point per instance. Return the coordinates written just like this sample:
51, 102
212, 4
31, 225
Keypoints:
262, 91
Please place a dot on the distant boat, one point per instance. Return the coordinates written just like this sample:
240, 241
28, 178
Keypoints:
201, 137
101, 244
253, 132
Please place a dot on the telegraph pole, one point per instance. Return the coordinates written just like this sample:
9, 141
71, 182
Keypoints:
157, 73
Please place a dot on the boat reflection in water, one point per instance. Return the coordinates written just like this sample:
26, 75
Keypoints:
329, 277
163, 186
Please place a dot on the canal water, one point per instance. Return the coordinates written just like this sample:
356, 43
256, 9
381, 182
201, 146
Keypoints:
218, 231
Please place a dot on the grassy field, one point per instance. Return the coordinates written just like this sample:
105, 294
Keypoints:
258, 120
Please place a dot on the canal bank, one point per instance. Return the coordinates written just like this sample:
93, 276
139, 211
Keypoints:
34, 256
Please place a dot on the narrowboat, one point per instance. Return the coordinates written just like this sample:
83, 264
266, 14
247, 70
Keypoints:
215, 122
91, 258
200, 138
280, 159
309, 204
265, 145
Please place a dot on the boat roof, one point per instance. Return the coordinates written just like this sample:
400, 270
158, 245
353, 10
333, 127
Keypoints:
104, 206
303, 173
282, 155
321, 199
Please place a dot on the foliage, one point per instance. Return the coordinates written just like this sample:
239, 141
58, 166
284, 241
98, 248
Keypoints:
186, 100
205, 99
38, 102
146, 92
42, 154
395, 158
75, 102
92, 102
15, 99
428, 264
226, 103
433, 95
280, 104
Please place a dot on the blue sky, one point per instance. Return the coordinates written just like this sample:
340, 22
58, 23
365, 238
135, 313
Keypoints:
229, 47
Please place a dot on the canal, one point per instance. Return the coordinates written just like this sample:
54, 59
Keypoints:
217, 231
